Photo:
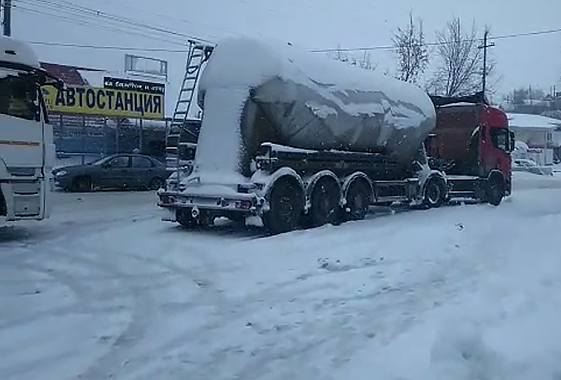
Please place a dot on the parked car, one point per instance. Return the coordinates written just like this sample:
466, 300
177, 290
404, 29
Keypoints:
129, 171
527, 165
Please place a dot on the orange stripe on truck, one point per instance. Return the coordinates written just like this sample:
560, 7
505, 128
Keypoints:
19, 143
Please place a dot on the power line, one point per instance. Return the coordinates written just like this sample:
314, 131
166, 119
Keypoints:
94, 25
79, 10
108, 47
549, 31
175, 18
391, 47
62, 15
94, 13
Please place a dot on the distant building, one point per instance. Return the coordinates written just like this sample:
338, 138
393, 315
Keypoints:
68, 74
541, 134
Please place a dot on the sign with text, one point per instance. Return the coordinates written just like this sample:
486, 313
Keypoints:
133, 85
104, 102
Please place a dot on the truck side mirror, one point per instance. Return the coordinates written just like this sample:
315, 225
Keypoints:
512, 141
36, 111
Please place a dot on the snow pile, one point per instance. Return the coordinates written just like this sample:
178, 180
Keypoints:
311, 101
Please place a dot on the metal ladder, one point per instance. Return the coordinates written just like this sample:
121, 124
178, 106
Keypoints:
180, 132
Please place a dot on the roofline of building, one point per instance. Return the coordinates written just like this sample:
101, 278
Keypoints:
71, 66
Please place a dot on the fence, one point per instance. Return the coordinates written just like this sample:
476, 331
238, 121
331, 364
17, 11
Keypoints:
83, 138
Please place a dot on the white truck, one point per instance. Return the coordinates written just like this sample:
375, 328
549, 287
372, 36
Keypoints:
26, 139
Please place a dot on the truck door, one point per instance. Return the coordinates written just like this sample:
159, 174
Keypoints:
487, 158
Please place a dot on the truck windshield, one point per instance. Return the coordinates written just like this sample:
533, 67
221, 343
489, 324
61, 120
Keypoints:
499, 138
19, 96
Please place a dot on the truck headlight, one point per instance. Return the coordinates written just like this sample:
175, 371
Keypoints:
61, 173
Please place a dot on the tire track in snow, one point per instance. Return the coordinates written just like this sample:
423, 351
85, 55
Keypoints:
381, 318
120, 354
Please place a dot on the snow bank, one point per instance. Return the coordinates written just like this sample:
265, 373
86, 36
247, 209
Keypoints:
255, 91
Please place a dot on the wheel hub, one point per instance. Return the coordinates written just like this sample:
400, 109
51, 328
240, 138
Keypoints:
286, 209
433, 193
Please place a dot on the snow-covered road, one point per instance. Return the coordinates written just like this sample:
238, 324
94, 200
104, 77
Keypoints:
104, 290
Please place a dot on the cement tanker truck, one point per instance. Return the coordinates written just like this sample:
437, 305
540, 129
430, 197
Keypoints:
297, 139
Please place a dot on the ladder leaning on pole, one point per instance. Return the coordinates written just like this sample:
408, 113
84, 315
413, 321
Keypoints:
182, 134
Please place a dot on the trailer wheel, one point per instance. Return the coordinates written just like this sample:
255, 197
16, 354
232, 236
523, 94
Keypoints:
435, 193
184, 218
358, 200
325, 202
495, 190
286, 206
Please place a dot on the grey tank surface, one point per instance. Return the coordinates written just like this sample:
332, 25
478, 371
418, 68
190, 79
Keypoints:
304, 101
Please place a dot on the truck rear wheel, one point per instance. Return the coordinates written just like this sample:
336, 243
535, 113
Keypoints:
358, 200
435, 193
286, 206
495, 190
325, 202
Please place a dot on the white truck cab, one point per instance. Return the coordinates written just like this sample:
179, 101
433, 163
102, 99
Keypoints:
26, 139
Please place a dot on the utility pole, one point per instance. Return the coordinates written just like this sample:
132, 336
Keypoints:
484, 47
7, 20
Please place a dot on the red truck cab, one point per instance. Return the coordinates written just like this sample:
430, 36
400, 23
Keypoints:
472, 140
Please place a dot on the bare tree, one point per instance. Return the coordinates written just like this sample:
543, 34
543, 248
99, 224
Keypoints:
411, 51
340, 55
364, 63
460, 69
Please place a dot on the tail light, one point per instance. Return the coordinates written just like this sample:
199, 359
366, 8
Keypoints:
167, 198
243, 205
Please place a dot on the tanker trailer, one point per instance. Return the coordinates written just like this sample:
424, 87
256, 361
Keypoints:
296, 138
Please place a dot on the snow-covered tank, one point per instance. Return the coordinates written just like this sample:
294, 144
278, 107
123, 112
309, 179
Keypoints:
254, 91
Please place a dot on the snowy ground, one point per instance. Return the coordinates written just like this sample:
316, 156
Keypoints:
104, 289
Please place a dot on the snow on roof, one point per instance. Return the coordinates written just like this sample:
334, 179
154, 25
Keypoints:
247, 63
68, 74
94, 78
519, 120
459, 104
521, 145
15, 51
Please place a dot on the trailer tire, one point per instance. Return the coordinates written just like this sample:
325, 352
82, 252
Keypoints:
325, 198
495, 190
286, 206
358, 200
184, 218
435, 193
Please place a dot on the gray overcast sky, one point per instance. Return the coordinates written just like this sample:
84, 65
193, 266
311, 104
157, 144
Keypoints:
534, 60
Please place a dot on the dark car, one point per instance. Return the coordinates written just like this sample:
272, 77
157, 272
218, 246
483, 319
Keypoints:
129, 171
